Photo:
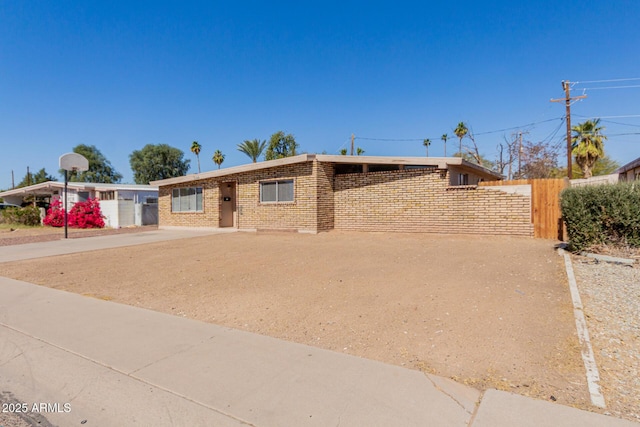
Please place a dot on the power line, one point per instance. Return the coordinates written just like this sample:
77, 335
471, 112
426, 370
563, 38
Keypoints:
613, 117
624, 134
475, 134
389, 139
611, 87
518, 127
566, 85
553, 133
608, 81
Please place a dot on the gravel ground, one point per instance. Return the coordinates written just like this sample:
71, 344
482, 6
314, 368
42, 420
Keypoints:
611, 297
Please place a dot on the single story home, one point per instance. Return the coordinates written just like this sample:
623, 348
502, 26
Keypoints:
122, 205
313, 193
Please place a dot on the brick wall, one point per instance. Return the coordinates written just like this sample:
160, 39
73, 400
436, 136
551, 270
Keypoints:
404, 200
251, 214
421, 200
210, 215
301, 214
324, 174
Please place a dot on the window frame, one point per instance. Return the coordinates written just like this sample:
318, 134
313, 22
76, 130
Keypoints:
196, 191
278, 183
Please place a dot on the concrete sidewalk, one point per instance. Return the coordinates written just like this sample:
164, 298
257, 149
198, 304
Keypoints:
85, 244
105, 364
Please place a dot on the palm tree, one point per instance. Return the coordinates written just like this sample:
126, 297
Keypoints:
460, 131
252, 148
427, 143
195, 149
359, 151
343, 151
444, 137
218, 158
588, 145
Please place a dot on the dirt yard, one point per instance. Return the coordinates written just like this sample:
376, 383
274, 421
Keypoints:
486, 311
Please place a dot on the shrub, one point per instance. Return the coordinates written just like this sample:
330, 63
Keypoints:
81, 215
86, 215
28, 215
602, 214
55, 214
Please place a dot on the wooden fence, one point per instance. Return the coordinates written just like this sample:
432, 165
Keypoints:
546, 216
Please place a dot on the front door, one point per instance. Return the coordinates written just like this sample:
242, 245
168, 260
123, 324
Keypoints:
228, 201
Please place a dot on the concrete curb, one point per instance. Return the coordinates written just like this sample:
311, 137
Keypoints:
593, 376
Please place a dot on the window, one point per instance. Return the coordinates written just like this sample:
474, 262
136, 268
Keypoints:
151, 200
186, 199
463, 179
276, 191
107, 195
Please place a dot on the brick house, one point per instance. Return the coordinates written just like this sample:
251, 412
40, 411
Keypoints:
313, 193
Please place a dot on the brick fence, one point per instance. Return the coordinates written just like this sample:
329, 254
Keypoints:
422, 201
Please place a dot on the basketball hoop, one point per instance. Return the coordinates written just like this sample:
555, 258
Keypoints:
71, 162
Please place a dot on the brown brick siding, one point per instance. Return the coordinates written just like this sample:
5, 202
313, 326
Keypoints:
421, 200
324, 172
404, 200
251, 214
209, 217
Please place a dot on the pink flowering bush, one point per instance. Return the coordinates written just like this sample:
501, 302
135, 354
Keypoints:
82, 215
55, 214
86, 215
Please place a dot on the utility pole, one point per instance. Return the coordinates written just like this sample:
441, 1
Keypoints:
519, 139
352, 138
520, 155
566, 85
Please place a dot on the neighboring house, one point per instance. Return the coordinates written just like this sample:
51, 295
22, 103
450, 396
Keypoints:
630, 171
122, 205
312, 193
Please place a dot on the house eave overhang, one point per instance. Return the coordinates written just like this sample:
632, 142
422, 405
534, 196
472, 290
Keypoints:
47, 188
236, 169
436, 162
629, 166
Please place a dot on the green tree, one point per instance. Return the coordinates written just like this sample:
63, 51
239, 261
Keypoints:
444, 138
35, 178
426, 143
343, 151
587, 145
461, 131
155, 162
218, 158
280, 146
253, 148
100, 169
195, 149
603, 166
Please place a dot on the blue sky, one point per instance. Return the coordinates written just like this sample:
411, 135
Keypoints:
120, 75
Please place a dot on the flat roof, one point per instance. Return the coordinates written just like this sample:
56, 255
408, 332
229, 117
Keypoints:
629, 166
437, 162
49, 186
